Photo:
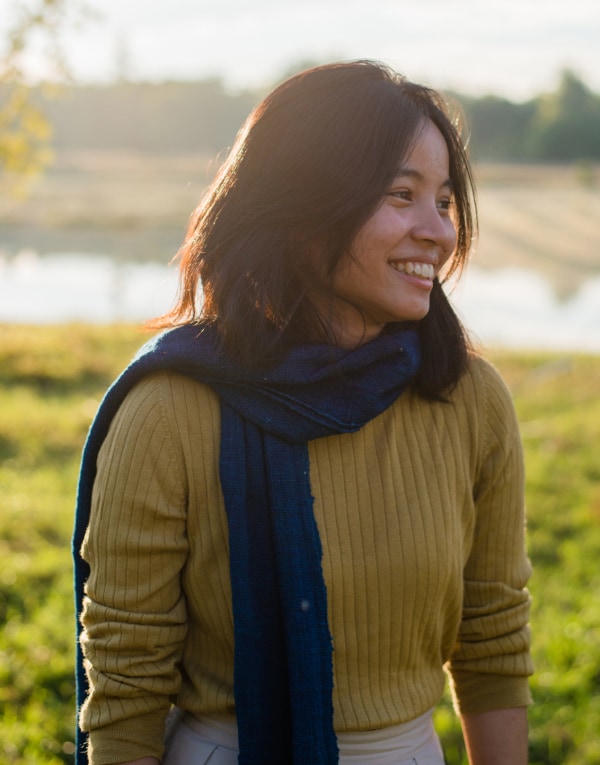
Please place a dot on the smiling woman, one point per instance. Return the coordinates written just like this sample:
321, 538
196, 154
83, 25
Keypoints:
304, 501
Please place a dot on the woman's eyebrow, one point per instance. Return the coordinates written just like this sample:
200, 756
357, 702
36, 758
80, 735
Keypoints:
409, 172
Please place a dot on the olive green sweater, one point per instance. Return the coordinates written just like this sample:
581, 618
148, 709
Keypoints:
422, 524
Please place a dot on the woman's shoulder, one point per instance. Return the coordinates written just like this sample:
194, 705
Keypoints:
489, 401
180, 389
480, 401
484, 379
179, 401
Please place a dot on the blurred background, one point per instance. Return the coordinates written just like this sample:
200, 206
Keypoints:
116, 114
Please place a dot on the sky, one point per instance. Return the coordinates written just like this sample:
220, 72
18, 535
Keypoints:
513, 48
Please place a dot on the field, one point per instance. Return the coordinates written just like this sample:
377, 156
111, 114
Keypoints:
48, 395
136, 207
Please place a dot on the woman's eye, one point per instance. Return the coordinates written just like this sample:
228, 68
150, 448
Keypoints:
403, 194
445, 204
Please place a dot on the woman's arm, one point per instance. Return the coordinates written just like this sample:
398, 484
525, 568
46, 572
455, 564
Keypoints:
498, 737
491, 661
134, 615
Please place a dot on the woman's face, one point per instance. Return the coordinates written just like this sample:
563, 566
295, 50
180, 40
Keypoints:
395, 256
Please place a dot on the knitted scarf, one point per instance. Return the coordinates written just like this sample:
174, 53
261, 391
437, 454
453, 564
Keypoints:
283, 675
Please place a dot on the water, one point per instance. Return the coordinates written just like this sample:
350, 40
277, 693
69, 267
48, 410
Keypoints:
511, 308
54, 289
515, 308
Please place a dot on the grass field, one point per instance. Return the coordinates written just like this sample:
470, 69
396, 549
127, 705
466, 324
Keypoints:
51, 380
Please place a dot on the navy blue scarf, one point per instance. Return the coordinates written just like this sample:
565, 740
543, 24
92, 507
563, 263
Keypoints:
283, 651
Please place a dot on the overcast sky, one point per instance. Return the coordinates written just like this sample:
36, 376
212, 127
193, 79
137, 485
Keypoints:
514, 48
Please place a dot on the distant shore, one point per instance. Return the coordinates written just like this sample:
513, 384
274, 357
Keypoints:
136, 207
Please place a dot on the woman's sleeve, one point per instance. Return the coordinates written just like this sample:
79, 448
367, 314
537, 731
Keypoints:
134, 614
491, 660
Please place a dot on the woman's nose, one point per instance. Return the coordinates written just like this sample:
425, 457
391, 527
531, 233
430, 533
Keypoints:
436, 227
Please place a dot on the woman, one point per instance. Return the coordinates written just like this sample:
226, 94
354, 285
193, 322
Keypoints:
301, 503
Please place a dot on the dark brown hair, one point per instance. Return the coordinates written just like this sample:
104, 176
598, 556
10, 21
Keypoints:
308, 168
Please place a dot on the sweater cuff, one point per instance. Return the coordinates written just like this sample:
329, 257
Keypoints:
127, 740
475, 692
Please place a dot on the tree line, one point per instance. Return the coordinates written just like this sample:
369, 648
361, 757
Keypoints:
203, 116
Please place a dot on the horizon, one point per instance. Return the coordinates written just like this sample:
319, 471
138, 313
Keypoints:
512, 50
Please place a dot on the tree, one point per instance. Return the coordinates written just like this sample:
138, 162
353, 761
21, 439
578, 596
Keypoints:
24, 129
498, 127
566, 125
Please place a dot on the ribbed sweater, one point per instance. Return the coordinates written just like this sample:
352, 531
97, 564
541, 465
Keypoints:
421, 518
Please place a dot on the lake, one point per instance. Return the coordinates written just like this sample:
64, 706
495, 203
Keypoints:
511, 307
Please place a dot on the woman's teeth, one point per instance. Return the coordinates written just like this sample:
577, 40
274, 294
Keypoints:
425, 270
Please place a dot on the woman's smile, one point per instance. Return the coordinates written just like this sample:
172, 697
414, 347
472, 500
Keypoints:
421, 272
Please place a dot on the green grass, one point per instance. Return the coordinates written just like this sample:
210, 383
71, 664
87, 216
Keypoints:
51, 381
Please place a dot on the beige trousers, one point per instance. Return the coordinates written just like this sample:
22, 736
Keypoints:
213, 741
